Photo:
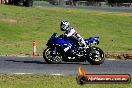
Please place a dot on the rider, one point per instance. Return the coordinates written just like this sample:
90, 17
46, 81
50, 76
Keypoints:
70, 32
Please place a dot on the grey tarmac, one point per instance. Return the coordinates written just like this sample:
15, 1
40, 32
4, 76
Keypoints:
37, 65
111, 9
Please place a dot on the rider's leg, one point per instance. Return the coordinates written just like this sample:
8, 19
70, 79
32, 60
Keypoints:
81, 41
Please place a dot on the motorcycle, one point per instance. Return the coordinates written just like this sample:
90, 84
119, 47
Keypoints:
54, 53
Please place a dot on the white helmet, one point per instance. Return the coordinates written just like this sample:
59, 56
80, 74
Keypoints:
64, 25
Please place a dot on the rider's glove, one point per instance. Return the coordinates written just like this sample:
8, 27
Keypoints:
63, 36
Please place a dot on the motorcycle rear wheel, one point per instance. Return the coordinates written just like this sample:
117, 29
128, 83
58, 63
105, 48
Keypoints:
57, 58
98, 58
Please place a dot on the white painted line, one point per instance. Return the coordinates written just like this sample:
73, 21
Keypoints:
22, 73
21, 56
57, 74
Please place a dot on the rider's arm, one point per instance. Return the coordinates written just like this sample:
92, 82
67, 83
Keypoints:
69, 33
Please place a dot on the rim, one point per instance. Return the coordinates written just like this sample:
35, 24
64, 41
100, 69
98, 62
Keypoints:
98, 57
55, 58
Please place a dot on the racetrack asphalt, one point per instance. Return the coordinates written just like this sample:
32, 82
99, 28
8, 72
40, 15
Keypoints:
37, 65
115, 9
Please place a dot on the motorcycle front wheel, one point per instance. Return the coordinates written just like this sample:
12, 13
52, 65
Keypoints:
52, 58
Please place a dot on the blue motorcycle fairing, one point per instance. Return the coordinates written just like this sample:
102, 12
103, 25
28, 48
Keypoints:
63, 43
58, 41
91, 39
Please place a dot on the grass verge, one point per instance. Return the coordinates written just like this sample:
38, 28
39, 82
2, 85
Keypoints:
45, 81
19, 26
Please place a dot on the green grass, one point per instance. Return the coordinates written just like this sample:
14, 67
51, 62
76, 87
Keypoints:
43, 81
113, 28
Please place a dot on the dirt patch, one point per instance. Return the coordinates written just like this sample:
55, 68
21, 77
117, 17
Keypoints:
126, 14
119, 55
8, 20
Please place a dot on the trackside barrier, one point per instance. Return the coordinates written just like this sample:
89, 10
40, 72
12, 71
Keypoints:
34, 48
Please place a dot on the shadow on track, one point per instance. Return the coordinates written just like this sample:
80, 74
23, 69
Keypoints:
40, 62
37, 62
